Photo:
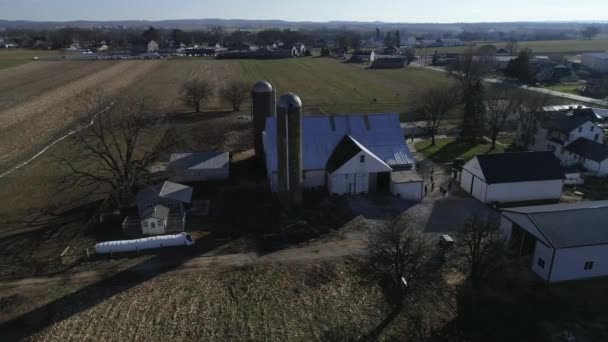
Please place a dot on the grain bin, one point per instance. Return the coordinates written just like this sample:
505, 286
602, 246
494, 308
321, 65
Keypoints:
289, 143
263, 105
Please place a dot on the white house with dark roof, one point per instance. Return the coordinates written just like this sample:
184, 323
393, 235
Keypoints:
513, 177
172, 195
199, 167
574, 136
564, 241
350, 154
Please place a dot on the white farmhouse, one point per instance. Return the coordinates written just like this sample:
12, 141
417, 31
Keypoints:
596, 61
513, 177
574, 138
564, 241
350, 155
199, 167
152, 46
172, 195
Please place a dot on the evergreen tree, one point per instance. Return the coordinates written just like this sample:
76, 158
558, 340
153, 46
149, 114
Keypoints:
397, 38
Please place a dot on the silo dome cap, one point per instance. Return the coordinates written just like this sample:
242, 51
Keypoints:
290, 100
262, 87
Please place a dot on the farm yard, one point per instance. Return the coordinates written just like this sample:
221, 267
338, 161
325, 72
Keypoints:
538, 47
42, 216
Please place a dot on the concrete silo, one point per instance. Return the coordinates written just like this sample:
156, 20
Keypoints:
289, 148
263, 105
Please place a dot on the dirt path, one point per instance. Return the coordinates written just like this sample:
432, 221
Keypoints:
207, 262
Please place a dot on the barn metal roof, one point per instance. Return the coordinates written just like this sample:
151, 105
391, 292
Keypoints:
199, 160
569, 225
169, 190
380, 133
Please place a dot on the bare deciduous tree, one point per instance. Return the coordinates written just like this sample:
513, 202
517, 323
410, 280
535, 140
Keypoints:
480, 250
434, 104
197, 92
397, 251
110, 156
527, 118
234, 93
501, 104
470, 69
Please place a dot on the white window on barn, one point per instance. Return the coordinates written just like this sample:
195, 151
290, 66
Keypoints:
580, 129
589, 265
597, 137
145, 223
152, 225
592, 128
362, 159
159, 222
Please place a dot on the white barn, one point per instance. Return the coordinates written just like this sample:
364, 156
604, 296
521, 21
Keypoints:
199, 167
513, 177
564, 241
350, 154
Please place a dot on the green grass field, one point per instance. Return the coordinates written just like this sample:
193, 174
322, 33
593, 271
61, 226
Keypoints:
14, 57
538, 47
448, 149
566, 88
333, 87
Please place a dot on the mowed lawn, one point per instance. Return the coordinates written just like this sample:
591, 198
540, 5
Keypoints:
14, 57
538, 47
448, 149
329, 86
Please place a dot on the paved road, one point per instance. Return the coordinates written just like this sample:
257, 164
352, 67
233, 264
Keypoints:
578, 98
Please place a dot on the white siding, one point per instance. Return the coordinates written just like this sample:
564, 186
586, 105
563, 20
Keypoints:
159, 229
480, 189
370, 164
410, 191
569, 263
595, 62
348, 184
524, 191
546, 254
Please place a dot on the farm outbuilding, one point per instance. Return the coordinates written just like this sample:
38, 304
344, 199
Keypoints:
513, 177
154, 220
349, 155
564, 241
199, 167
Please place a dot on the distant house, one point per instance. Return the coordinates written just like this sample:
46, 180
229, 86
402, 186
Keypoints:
513, 177
557, 130
199, 167
563, 241
502, 52
360, 56
591, 155
152, 46
597, 61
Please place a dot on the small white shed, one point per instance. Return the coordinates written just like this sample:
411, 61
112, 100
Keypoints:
154, 220
513, 177
564, 241
408, 185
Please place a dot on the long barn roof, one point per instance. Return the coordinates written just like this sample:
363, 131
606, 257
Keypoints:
380, 133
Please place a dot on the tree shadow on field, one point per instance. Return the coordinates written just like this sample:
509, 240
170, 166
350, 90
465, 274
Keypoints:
65, 307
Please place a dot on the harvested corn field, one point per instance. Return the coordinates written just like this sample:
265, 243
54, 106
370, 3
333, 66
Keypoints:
260, 303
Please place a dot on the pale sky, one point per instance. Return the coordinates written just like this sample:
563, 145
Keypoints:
435, 11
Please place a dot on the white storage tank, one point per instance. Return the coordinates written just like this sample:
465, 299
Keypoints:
183, 239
